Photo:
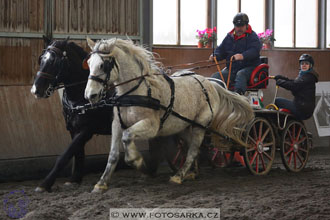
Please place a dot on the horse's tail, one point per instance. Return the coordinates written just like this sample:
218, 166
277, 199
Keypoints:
234, 114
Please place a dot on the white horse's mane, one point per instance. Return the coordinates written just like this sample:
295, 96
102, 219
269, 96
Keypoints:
145, 58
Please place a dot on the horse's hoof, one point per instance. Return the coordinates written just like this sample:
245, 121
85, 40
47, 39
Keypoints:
176, 180
138, 163
40, 189
190, 176
100, 188
68, 184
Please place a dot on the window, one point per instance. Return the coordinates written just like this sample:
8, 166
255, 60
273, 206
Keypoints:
299, 30
226, 12
306, 23
193, 16
283, 25
255, 9
165, 22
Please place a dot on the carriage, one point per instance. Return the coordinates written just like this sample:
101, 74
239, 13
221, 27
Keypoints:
272, 130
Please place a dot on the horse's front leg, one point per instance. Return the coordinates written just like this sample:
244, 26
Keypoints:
194, 140
77, 143
144, 129
102, 184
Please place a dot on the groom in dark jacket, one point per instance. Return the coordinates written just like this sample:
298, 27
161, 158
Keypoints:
302, 88
243, 44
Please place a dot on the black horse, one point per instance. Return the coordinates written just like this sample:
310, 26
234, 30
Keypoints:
61, 63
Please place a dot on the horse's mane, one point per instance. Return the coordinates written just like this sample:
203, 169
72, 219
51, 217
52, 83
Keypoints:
144, 58
64, 45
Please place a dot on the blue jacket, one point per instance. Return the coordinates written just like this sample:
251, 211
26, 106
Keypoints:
249, 46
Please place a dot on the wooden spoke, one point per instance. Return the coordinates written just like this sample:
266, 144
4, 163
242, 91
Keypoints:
262, 162
289, 151
254, 157
257, 163
251, 139
299, 131
299, 157
290, 136
260, 130
265, 134
302, 140
294, 130
267, 155
303, 150
268, 144
255, 132
288, 143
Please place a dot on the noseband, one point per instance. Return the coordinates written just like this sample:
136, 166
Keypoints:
108, 65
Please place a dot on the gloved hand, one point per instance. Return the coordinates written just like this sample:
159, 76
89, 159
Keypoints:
277, 77
279, 82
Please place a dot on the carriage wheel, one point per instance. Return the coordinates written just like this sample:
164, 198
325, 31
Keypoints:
176, 156
295, 147
260, 153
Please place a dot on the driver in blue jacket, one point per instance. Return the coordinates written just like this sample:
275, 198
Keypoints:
243, 44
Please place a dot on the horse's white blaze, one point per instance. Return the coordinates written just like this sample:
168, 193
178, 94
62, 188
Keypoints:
94, 88
46, 56
33, 89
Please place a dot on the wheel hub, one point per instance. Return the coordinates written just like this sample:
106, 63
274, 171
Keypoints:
260, 147
295, 147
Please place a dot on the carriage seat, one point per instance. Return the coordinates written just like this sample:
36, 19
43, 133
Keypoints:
285, 110
259, 76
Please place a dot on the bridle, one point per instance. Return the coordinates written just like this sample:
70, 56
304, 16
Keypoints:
108, 65
53, 85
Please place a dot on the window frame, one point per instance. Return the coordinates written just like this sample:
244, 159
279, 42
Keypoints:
321, 29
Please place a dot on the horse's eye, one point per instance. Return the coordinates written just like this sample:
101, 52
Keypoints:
101, 66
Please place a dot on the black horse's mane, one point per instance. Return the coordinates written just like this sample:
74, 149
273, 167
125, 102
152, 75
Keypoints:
64, 45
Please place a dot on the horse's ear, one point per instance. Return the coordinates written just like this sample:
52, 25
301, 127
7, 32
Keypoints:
90, 43
68, 38
46, 40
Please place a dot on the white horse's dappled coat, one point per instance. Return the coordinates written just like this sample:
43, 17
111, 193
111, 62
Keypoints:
223, 111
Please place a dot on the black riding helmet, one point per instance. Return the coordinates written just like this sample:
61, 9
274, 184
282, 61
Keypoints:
306, 57
241, 19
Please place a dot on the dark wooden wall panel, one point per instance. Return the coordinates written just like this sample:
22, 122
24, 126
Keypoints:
22, 16
96, 17
19, 60
31, 127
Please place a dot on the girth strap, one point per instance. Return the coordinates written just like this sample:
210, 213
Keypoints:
169, 108
207, 98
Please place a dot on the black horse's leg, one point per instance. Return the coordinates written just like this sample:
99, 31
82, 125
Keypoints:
77, 143
78, 166
158, 148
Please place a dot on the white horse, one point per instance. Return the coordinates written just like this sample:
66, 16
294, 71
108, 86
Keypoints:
139, 80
